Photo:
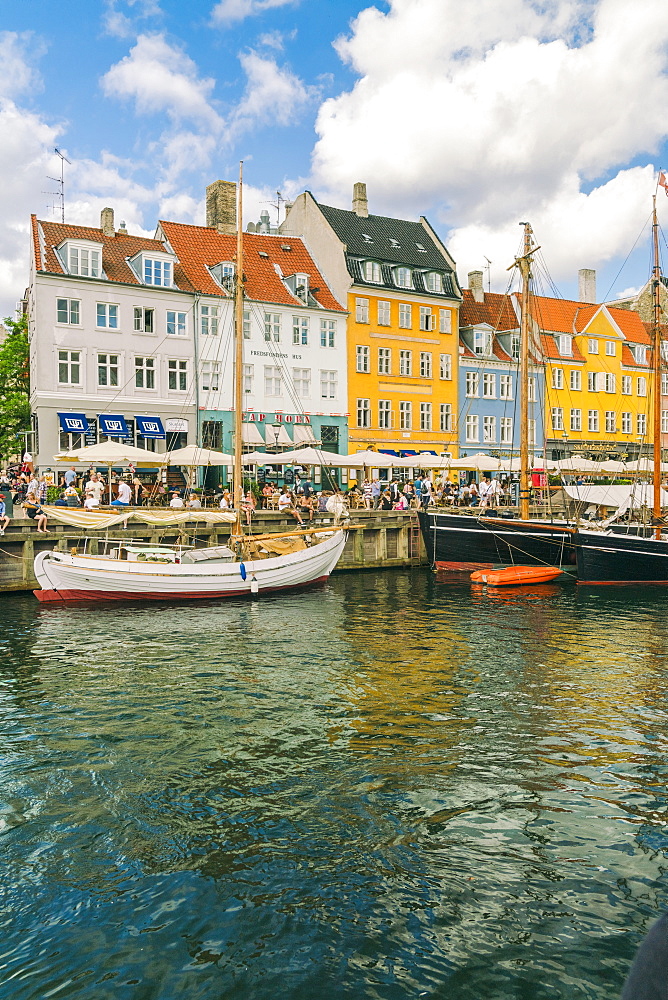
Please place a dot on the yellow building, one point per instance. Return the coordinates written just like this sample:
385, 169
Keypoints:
597, 385
400, 287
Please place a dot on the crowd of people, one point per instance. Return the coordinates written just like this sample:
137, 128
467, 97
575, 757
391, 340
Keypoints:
373, 494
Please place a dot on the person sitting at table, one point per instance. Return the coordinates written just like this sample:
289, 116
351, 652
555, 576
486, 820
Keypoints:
225, 501
267, 494
194, 503
124, 495
286, 505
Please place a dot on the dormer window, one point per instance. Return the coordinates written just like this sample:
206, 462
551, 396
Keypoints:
372, 271
482, 343
433, 281
640, 354
298, 284
565, 345
84, 259
223, 273
157, 272
403, 277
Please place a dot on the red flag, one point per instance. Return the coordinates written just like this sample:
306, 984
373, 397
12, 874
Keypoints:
663, 181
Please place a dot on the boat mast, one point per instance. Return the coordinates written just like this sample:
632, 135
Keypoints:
238, 355
656, 371
524, 264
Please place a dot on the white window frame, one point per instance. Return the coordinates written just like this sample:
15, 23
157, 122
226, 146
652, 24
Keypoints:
425, 416
247, 385
433, 281
273, 381
106, 316
505, 386
177, 373
405, 414
84, 261
445, 367
145, 372
110, 367
564, 344
482, 343
329, 383
405, 316
592, 346
610, 422
557, 418
575, 380
301, 378
177, 325
557, 378
72, 310
70, 364
406, 363
627, 422
472, 428
361, 310
300, 331
610, 382
489, 429
373, 272
627, 385
362, 359
642, 385
385, 414
425, 364
576, 419
403, 277
445, 417
445, 321
489, 385
272, 328
384, 361
592, 421
363, 412
384, 313
611, 348
157, 272
328, 333
426, 319
473, 385
210, 376
641, 424
506, 430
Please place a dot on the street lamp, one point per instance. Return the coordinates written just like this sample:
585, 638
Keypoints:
564, 437
276, 428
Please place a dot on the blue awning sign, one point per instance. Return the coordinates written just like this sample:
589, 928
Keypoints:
114, 425
73, 423
150, 427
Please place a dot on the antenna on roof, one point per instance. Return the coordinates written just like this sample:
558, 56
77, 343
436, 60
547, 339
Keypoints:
488, 268
280, 200
60, 181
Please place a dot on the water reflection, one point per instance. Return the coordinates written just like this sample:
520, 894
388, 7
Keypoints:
386, 788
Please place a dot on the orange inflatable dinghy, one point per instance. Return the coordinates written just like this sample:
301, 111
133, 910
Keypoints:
515, 576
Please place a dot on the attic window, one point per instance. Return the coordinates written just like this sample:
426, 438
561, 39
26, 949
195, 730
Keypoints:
395, 244
263, 253
81, 258
366, 238
224, 274
285, 246
433, 281
420, 248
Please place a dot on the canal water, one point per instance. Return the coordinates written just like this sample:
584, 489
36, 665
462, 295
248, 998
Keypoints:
388, 788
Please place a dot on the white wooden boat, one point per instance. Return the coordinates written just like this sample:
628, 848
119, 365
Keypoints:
169, 572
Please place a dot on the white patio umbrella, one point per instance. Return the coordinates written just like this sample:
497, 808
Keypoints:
111, 453
365, 460
613, 467
576, 464
305, 456
192, 454
481, 463
535, 462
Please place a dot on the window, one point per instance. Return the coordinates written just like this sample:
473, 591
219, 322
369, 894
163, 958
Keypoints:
592, 420
157, 272
405, 362
446, 416
531, 432
176, 324
107, 369
565, 345
642, 386
444, 321
472, 384
384, 414
433, 281
640, 354
515, 345
372, 271
445, 366
177, 374
425, 416
302, 380
557, 378
405, 315
211, 376
576, 381
300, 330
664, 350
664, 421
610, 421
557, 418
489, 386
426, 318
212, 434
592, 346
576, 420
247, 383
69, 311
328, 384
506, 386
363, 413
403, 277
363, 359
506, 430
272, 327
610, 348
327, 332
489, 430
531, 396
592, 381
69, 367
209, 321
641, 424
224, 274
627, 387
384, 361
405, 416
664, 385
247, 325
301, 287
83, 261
626, 422
362, 310
107, 316
425, 364
383, 313
482, 342
610, 382
145, 373
472, 431
273, 384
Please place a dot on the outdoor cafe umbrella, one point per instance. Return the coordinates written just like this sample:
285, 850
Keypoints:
193, 454
481, 463
576, 464
112, 453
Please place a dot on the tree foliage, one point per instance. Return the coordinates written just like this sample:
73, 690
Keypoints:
14, 387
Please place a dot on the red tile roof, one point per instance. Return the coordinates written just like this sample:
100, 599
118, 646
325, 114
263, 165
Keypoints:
200, 247
115, 250
496, 310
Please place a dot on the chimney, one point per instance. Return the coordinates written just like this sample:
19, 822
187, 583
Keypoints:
360, 204
221, 206
587, 285
475, 285
107, 222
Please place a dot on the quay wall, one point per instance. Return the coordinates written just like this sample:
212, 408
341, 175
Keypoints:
377, 540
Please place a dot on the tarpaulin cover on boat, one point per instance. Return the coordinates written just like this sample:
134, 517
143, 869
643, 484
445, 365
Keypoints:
106, 519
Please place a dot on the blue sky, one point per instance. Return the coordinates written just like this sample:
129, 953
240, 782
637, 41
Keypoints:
478, 115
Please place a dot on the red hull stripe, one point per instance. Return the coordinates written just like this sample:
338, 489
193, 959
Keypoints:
623, 583
59, 596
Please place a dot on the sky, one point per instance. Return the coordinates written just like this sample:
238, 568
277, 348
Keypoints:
479, 114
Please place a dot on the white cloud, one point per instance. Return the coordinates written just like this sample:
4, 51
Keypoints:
273, 93
160, 77
124, 25
229, 11
18, 50
501, 112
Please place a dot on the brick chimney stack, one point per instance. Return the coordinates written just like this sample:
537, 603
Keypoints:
587, 285
360, 204
221, 206
107, 222
475, 285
